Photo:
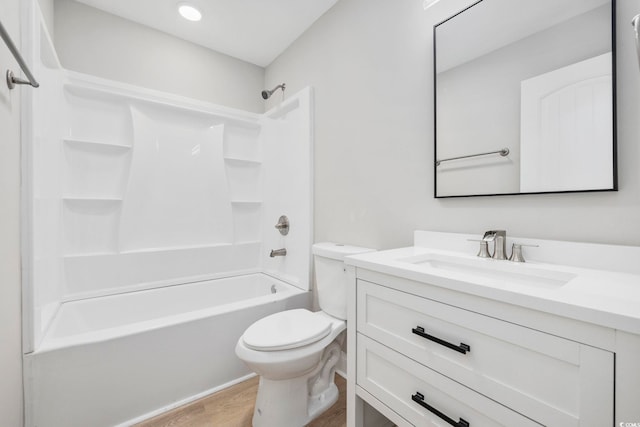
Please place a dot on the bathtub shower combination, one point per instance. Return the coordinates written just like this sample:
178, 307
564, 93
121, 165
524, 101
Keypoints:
150, 222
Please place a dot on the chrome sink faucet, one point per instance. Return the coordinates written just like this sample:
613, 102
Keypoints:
499, 239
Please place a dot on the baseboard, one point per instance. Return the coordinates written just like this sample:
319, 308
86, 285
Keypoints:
179, 403
341, 369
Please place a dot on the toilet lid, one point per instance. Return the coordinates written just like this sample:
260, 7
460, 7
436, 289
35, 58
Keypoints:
286, 330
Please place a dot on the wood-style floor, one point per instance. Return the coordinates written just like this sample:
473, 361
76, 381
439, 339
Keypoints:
233, 407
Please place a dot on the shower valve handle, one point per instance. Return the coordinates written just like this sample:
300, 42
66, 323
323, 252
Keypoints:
283, 225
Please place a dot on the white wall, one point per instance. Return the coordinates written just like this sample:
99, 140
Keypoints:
370, 63
98, 43
10, 332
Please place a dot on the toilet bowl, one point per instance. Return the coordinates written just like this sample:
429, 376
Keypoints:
296, 383
295, 352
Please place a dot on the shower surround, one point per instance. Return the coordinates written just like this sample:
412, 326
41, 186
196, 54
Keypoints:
130, 193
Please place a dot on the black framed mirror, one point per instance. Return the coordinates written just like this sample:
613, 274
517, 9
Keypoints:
525, 98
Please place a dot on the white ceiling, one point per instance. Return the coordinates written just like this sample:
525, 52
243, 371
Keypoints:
255, 31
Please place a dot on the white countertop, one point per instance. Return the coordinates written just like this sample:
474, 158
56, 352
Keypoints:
606, 298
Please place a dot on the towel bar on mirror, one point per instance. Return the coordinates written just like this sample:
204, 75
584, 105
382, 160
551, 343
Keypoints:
503, 152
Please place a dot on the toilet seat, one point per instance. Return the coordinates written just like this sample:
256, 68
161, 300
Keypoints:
286, 330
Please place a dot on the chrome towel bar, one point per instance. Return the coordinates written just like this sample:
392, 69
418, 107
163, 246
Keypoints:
504, 152
12, 80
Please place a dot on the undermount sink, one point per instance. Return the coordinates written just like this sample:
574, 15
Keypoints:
505, 272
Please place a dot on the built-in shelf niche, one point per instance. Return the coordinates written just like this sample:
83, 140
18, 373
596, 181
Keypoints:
243, 164
244, 179
90, 225
95, 169
242, 143
97, 116
247, 220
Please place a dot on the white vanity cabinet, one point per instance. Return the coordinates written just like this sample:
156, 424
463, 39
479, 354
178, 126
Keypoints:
426, 354
552, 380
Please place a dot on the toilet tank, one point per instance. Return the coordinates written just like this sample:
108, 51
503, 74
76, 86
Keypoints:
331, 276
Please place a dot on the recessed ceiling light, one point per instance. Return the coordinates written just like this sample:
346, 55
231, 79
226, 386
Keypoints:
189, 12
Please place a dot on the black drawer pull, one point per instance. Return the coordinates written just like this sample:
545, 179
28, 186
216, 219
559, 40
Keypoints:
419, 399
462, 348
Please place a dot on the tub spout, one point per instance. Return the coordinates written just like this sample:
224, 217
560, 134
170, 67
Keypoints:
278, 252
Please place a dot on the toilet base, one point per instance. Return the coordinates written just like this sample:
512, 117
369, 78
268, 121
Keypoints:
286, 404
319, 404
296, 402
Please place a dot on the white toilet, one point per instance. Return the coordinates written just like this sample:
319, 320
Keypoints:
295, 351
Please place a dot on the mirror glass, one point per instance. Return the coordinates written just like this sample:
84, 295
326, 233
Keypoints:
525, 91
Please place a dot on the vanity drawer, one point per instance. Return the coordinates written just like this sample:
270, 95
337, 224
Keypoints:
555, 381
400, 383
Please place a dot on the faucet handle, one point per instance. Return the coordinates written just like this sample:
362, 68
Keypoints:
516, 252
489, 236
283, 225
484, 248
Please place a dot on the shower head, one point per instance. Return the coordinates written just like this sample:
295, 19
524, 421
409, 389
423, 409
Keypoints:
266, 94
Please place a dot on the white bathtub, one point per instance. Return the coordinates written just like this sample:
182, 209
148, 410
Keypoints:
120, 359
